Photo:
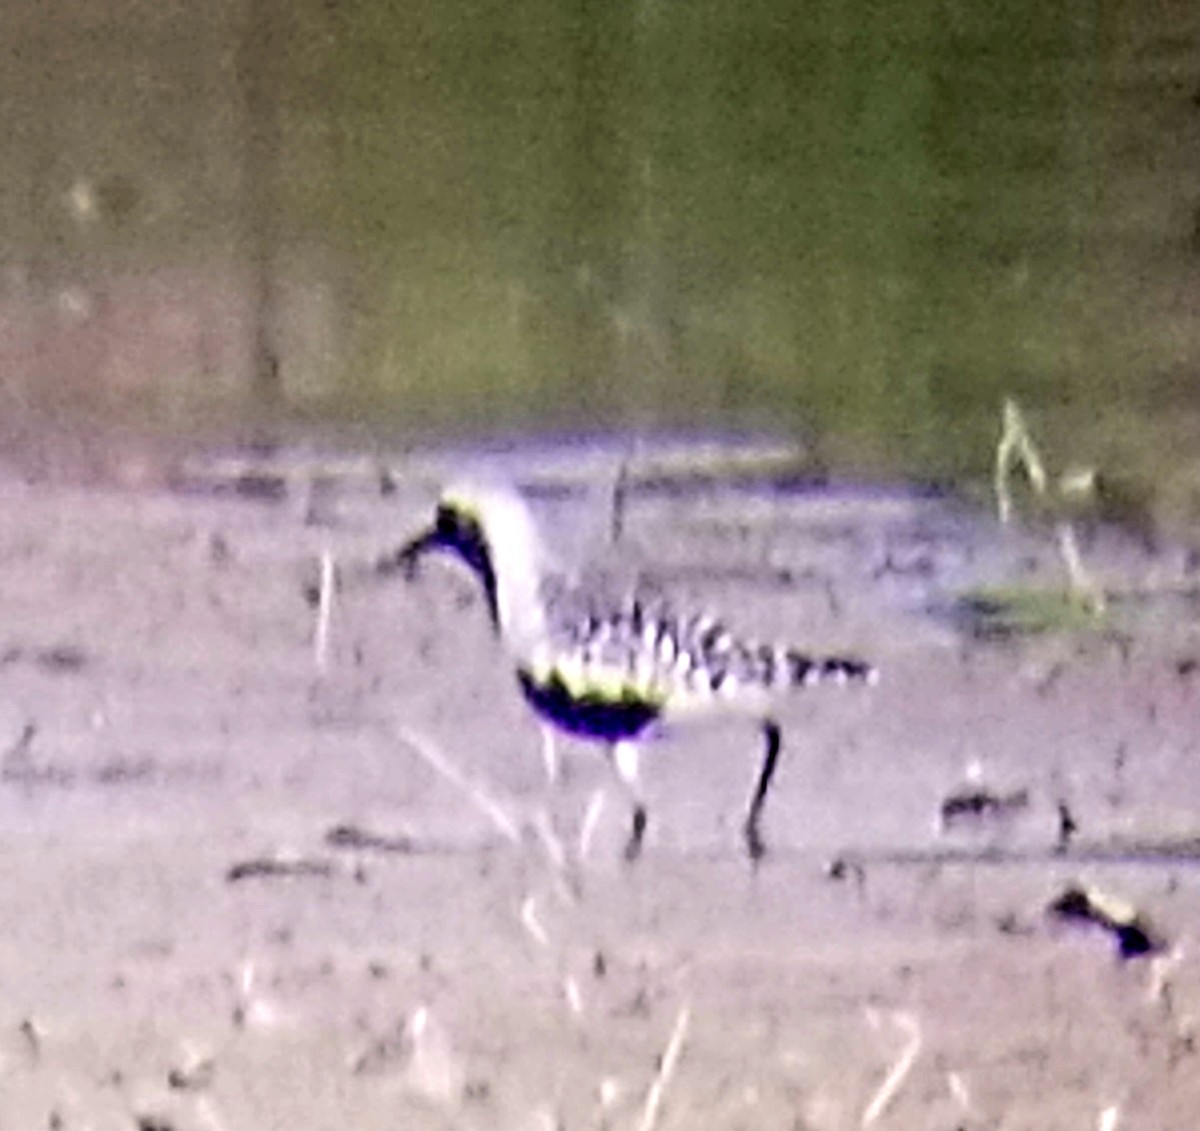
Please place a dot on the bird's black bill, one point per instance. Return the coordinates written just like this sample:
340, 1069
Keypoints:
457, 533
405, 560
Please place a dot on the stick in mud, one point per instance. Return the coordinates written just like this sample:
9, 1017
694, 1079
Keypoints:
324, 611
899, 1071
485, 804
670, 1058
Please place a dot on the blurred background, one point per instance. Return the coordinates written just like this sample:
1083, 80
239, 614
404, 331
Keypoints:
861, 224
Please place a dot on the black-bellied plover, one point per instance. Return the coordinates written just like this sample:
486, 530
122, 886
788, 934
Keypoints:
611, 671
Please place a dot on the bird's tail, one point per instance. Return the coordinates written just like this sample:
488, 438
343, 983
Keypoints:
803, 670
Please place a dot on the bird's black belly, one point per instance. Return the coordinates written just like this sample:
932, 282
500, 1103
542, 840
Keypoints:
589, 716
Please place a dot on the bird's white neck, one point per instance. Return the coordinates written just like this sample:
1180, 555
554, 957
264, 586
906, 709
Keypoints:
518, 563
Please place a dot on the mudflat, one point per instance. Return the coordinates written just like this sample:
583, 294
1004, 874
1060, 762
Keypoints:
253, 883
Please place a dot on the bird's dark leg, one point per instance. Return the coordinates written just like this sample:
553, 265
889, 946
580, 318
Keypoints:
754, 841
637, 832
625, 759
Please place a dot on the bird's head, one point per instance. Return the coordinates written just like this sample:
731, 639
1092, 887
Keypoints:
488, 529
457, 527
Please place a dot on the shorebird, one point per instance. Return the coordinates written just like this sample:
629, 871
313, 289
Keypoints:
612, 671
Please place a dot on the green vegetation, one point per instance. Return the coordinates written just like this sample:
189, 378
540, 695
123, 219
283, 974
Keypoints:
1005, 612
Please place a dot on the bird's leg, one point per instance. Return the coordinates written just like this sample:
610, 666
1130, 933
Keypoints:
754, 842
550, 757
625, 759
